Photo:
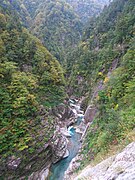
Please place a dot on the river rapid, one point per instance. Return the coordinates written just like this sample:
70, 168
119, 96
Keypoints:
57, 170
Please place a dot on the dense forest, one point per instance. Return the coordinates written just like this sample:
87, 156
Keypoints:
87, 8
103, 69
53, 50
56, 24
31, 81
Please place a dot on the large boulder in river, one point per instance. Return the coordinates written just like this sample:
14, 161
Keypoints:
65, 115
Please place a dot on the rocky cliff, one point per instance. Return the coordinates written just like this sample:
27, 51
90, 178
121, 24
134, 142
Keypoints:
118, 167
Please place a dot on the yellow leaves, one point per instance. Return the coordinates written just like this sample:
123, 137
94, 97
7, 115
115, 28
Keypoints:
84, 45
19, 102
91, 37
7, 68
116, 107
31, 97
26, 81
2, 17
23, 147
106, 80
98, 98
100, 74
1, 75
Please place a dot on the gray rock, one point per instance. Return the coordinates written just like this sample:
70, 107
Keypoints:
13, 162
65, 132
73, 166
66, 154
39, 175
59, 146
119, 167
90, 113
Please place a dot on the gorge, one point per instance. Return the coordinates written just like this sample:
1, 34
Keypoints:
67, 83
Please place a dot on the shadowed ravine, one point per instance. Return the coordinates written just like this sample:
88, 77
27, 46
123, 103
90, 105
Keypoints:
58, 169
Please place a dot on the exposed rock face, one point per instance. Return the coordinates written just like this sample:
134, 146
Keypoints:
39, 175
65, 132
13, 163
64, 114
59, 146
75, 163
90, 113
120, 167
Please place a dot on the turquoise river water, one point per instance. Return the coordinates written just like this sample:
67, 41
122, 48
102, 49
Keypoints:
58, 169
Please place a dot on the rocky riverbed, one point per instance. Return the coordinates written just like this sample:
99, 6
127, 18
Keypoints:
72, 135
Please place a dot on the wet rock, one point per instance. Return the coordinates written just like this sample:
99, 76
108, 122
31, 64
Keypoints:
81, 128
66, 154
74, 165
65, 132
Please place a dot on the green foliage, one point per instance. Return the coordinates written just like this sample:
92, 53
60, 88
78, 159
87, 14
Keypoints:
103, 67
116, 104
87, 8
105, 39
29, 77
56, 24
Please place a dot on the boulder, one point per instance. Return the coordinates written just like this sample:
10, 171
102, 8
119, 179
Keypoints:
66, 154
65, 132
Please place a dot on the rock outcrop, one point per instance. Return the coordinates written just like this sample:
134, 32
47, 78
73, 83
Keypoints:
39, 175
90, 113
65, 115
74, 165
59, 147
118, 167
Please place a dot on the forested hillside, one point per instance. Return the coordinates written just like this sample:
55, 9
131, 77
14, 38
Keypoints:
56, 24
59, 24
103, 69
87, 9
51, 63
31, 81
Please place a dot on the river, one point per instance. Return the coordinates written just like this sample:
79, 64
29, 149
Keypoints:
58, 169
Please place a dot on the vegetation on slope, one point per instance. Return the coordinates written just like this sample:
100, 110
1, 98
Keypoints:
108, 41
56, 24
87, 8
31, 81
59, 23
